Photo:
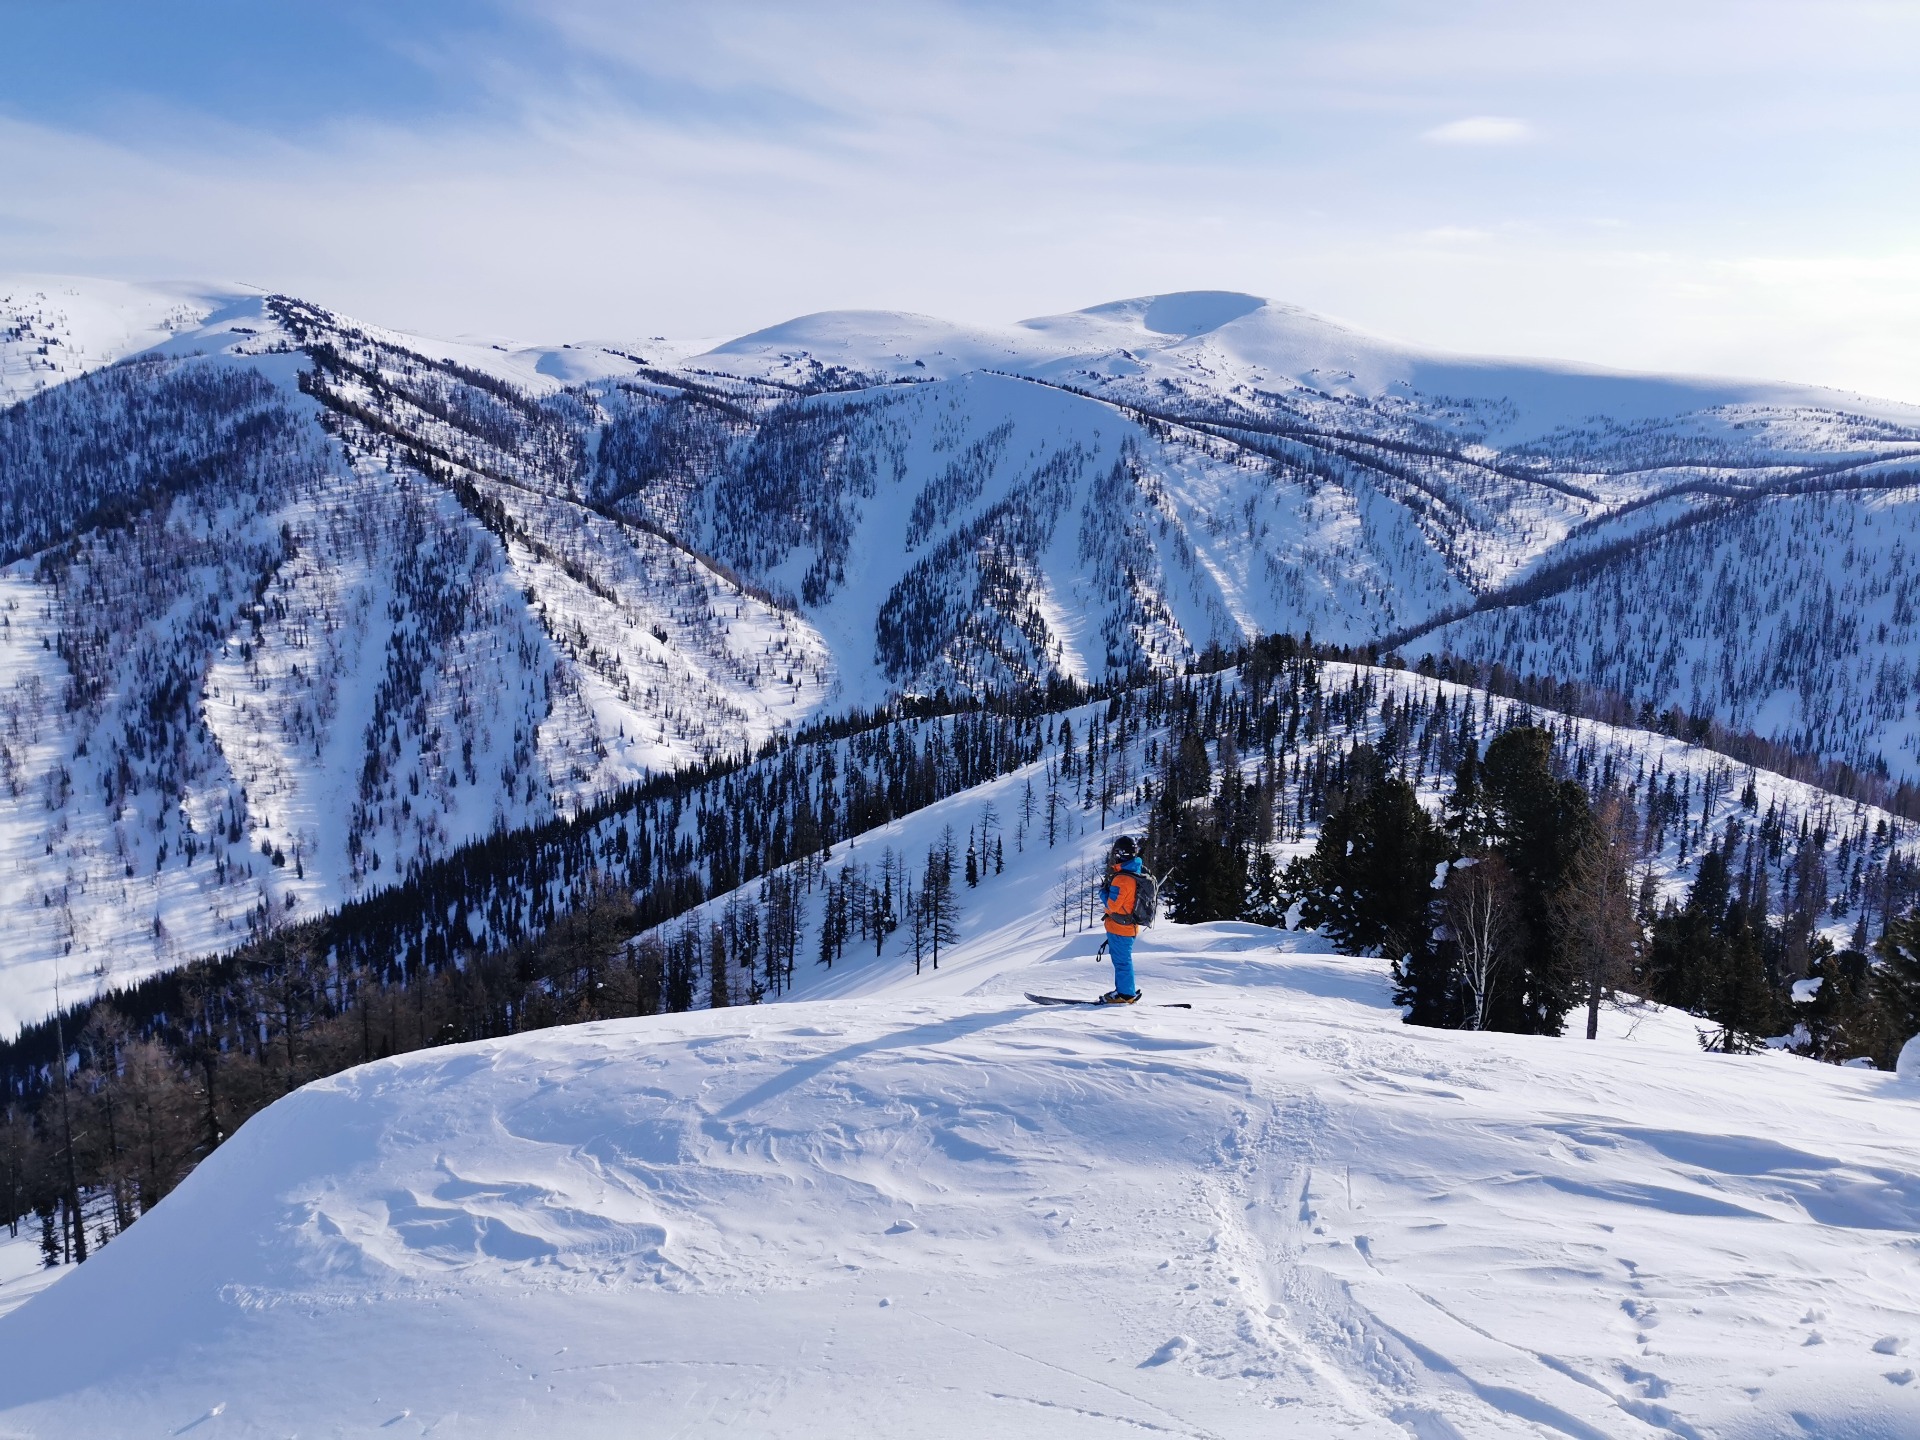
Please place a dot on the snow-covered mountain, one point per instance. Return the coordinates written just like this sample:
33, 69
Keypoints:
1794, 616
295, 604
1579, 509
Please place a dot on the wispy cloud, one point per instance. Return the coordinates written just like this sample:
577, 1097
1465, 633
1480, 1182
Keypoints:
586, 168
1481, 130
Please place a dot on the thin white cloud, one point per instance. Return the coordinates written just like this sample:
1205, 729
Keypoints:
1481, 130
722, 167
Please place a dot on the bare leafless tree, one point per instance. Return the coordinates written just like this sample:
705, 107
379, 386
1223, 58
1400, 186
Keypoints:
1481, 909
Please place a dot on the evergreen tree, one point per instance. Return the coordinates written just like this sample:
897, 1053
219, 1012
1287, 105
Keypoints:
1708, 957
1538, 823
1738, 998
1267, 900
1203, 866
1369, 885
1896, 988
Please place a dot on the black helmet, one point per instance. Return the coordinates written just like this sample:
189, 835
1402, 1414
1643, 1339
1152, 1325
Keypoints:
1123, 849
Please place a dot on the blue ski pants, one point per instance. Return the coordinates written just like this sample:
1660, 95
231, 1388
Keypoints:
1120, 947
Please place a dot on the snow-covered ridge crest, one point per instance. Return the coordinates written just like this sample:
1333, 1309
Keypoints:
54, 327
1236, 345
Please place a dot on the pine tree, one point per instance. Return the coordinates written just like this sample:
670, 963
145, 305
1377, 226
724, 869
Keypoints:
1266, 901
1708, 957
1369, 885
1538, 823
1738, 998
1896, 988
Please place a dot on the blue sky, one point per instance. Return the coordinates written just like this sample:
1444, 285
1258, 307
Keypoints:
1686, 185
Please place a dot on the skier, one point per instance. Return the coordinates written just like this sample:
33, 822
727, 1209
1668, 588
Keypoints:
1120, 892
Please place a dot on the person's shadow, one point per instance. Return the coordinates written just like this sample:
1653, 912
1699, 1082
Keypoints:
934, 1032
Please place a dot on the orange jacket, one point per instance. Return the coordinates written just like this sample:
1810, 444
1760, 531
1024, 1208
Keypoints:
1120, 890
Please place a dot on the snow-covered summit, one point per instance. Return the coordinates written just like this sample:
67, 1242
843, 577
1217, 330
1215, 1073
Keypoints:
55, 327
1227, 345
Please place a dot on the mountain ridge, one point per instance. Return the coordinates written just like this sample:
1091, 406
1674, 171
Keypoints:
302, 603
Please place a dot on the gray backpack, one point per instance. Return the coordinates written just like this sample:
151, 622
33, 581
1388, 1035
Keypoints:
1146, 899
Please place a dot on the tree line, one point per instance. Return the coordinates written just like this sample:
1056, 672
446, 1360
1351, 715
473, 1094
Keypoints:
1533, 894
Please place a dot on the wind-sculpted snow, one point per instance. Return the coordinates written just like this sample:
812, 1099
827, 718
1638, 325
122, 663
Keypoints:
943, 1211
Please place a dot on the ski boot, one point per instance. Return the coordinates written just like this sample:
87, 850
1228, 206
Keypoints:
1114, 997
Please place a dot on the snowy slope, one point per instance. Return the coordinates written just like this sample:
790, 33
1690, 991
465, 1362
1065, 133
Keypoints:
55, 327
291, 665
1689, 800
995, 531
1447, 477
907, 1202
1796, 617
941, 1211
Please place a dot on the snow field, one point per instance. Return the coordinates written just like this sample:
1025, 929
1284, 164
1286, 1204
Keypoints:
940, 1213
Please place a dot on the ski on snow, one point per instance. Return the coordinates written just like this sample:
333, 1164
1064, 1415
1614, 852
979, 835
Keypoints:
1070, 1000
